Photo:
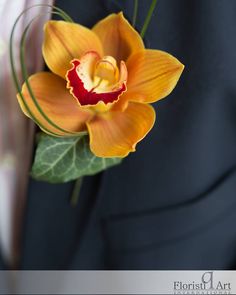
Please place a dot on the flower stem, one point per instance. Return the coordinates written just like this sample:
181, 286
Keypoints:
148, 18
22, 53
135, 13
75, 193
26, 77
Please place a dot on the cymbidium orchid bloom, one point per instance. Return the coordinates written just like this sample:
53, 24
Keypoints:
102, 81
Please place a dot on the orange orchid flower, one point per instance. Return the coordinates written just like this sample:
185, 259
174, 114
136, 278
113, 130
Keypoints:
102, 81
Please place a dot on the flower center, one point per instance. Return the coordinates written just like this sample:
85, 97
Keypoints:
106, 72
96, 82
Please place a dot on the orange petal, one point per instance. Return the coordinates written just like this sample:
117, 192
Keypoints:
118, 37
56, 102
64, 41
153, 74
115, 134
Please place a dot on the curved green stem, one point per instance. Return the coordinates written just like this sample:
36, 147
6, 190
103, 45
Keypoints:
26, 77
135, 13
61, 12
14, 74
148, 18
75, 193
63, 15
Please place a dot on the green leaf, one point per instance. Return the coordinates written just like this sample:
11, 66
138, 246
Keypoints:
64, 159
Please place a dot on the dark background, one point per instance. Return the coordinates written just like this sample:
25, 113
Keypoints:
172, 204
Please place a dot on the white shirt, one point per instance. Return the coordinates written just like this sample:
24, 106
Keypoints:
16, 130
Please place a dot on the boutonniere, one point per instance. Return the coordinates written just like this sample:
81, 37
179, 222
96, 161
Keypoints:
94, 105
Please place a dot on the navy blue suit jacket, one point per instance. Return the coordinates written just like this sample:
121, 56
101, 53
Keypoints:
172, 204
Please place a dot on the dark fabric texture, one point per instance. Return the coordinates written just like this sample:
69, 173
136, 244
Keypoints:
172, 204
2, 263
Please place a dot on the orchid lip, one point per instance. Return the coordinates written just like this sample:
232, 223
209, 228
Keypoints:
93, 80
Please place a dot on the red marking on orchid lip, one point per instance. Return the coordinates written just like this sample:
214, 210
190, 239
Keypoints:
89, 97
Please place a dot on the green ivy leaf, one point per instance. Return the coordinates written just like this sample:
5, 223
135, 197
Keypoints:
64, 159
